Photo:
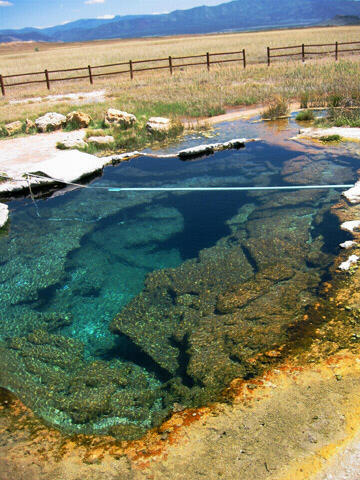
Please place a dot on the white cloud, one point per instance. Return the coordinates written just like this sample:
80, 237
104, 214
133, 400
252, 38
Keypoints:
92, 2
5, 3
50, 26
106, 17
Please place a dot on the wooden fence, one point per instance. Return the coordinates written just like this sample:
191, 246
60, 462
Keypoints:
170, 63
307, 51
126, 68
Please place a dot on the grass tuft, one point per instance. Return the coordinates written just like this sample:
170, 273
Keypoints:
330, 138
305, 116
277, 107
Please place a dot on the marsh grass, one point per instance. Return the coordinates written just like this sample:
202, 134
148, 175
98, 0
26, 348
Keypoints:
95, 132
342, 117
305, 116
277, 107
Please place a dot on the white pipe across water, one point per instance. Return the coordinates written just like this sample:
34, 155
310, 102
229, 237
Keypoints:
218, 189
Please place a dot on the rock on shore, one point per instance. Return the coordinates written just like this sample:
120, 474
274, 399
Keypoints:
119, 118
50, 121
158, 124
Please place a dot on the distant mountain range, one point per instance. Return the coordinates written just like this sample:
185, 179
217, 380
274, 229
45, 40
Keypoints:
233, 16
343, 20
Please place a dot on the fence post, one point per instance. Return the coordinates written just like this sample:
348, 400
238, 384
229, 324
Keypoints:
244, 58
131, 70
268, 56
336, 51
303, 52
208, 60
47, 79
90, 75
2, 85
170, 65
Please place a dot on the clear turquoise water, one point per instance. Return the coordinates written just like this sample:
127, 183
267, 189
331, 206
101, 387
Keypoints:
69, 271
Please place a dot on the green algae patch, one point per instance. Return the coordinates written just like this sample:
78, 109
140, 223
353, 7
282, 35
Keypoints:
330, 139
55, 381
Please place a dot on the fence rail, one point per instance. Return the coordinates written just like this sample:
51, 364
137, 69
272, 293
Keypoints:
304, 51
169, 63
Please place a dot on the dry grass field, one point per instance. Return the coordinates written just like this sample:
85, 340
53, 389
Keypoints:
190, 92
23, 57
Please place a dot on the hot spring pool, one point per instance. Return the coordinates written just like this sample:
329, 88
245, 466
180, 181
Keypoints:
119, 307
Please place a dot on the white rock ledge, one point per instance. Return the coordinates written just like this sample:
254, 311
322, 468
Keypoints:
4, 214
214, 147
353, 194
348, 244
66, 166
69, 166
350, 226
346, 133
352, 260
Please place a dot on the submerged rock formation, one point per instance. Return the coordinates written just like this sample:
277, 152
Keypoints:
214, 318
72, 393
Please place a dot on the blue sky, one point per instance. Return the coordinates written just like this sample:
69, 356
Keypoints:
43, 13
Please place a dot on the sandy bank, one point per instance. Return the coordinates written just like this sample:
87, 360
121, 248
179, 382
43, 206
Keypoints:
285, 425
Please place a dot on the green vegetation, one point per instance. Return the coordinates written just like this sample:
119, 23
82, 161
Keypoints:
342, 117
330, 138
60, 146
136, 137
305, 116
133, 138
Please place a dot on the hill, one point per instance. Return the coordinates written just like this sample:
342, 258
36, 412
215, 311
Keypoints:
340, 20
233, 16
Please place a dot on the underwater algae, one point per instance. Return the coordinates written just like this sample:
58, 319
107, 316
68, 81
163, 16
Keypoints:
203, 283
